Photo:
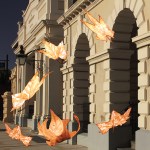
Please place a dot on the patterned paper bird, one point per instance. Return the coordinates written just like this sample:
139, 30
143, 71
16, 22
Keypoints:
54, 52
31, 88
115, 120
102, 30
15, 133
57, 131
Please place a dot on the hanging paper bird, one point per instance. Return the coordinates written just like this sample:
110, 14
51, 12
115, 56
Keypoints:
57, 131
15, 133
115, 120
102, 30
55, 52
31, 88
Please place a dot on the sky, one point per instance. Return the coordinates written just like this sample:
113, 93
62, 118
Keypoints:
10, 14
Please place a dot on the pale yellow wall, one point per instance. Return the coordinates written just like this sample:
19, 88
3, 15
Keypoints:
147, 10
68, 97
99, 95
104, 9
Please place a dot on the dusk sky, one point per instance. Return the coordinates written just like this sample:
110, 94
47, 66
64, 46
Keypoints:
10, 14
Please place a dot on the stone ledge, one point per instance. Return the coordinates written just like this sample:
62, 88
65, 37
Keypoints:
142, 140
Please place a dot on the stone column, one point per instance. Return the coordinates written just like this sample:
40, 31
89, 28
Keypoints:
16, 120
38, 101
24, 113
143, 134
7, 105
70, 104
92, 91
117, 95
45, 99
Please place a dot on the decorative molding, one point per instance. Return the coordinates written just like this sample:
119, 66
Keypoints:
132, 5
142, 40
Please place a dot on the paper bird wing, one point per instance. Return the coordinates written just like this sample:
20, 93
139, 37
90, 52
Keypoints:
92, 19
127, 113
119, 119
90, 26
8, 129
40, 127
18, 100
31, 85
31, 88
25, 140
50, 136
41, 82
57, 131
72, 134
62, 52
50, 51
101, 37
107, 31
105, 126
66, 134
15, 133
56, 125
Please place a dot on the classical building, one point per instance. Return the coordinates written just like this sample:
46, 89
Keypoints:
98, 77
103, 76
39, 21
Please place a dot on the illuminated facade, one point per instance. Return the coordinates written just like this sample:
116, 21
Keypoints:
101, 76
39, 21
98, 77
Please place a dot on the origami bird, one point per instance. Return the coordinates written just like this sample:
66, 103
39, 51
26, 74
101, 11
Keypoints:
54, 52
102, 30
15, 133
31, 88
115, 120
57, 131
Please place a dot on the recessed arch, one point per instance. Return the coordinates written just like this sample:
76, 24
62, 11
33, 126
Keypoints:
82, 29
125, 28
81, 81
136, 6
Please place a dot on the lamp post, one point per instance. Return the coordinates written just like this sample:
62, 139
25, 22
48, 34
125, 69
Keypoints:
22, 57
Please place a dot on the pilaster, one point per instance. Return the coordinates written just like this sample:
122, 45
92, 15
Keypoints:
45, 106
92, 91
142, 43
24, 110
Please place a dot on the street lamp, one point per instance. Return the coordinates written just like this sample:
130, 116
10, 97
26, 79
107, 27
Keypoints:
22, 57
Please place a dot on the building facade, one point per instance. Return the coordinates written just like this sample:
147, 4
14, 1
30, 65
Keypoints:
98, 77
39, 21
103, 76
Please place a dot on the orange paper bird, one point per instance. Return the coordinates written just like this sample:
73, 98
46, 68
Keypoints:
25, 140
102, 30
116, 120
31, 88
54, 52
15, 133
57, 131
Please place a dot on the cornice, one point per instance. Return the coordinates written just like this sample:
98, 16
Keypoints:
110, 54
98, 57
16, 51
66, 69
142, 40
13, 45
28, 41
75, 9
38, 27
